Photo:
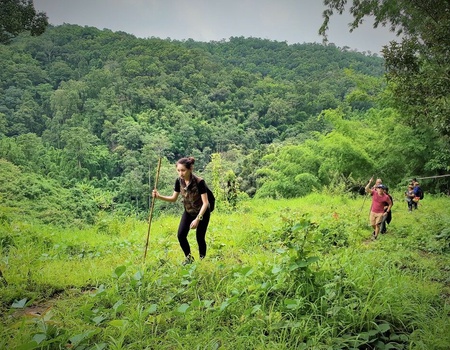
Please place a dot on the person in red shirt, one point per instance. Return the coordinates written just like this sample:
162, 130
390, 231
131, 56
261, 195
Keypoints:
377, 210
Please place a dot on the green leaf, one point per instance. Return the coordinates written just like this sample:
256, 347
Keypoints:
183, 308
98, 319
119, 271
39, 338
292, 304
247, 271
379, 345
100, 290
196, 303
119, 323
256, 308
138, 276
293, 267
276, 270
373, 332
152, 309
302, 263
384, 327
119, 306
208, 303
224, 305
19, 304
364, 335
312, 259
78, 338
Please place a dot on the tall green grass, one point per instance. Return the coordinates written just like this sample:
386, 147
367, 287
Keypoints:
279, 274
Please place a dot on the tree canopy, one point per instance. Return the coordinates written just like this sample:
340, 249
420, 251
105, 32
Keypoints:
94, 109
19, 16
417, 66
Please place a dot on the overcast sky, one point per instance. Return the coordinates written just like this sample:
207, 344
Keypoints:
293, 21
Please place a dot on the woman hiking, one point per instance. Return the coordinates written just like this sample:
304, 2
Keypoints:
377, 211
196, 206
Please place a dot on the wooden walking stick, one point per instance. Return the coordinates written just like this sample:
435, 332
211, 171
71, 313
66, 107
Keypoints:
151, 208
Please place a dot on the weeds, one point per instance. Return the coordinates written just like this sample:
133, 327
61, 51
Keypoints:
300, 278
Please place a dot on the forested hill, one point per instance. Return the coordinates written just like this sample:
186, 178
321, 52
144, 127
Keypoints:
75, 76
96, 108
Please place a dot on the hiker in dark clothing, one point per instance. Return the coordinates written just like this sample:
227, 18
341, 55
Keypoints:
418, 194
386, 219
196, 207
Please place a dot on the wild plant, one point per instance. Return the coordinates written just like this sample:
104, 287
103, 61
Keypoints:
294, 274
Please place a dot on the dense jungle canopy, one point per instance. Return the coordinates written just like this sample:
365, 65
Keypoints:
86, 113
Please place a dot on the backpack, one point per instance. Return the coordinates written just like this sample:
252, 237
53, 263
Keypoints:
211, 198
392, 200
421, 195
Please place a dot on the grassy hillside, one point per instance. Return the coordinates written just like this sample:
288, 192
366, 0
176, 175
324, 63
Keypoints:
279, 274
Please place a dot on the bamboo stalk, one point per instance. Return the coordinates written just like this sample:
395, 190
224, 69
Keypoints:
151, 209
431, 177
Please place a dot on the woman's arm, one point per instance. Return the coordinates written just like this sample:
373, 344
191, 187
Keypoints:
172, 198
203, 209
205, 204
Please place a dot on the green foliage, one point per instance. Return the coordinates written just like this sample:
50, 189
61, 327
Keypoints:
417, 67
224, 183
86, 107
344, 156
19, 16
291, 171
359, 145
36, 198
299, 273
86, 114
98, 99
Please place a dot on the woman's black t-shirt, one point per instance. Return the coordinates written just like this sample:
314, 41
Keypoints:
191, 194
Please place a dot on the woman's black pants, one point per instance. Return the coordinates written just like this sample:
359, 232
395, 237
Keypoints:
183, 231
